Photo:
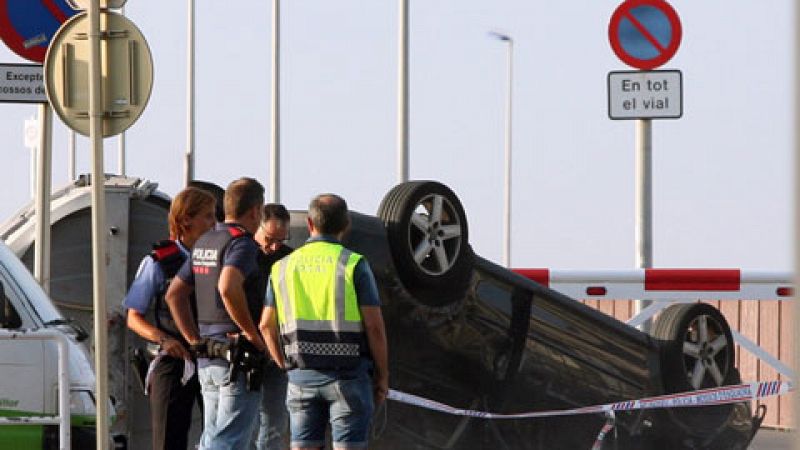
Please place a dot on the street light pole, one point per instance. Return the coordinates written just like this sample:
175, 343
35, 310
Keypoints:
402, 93
507, 159
188, 163
275, 149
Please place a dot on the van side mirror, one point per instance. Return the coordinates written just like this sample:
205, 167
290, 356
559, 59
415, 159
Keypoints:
8, 315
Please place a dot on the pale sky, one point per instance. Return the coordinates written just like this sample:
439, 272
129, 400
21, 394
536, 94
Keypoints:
723, 173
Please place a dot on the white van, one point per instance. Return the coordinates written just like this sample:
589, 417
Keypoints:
29, 369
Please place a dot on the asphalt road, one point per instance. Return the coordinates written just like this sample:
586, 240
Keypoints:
769, 439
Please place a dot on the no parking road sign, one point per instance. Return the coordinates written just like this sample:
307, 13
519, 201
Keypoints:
644, 34
27, 26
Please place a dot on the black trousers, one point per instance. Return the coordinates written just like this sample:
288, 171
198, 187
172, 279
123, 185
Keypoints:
171, 404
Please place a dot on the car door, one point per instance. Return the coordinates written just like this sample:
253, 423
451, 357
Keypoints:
22, 391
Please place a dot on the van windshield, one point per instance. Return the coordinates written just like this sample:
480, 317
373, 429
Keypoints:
16, 276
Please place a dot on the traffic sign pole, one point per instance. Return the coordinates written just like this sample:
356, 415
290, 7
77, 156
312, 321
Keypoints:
644, 205
644, 34
98, 226
44, 163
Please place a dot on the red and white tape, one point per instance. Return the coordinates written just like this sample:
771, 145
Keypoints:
666, 284
705, 397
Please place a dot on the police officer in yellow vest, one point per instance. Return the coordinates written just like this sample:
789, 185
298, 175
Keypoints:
322, 322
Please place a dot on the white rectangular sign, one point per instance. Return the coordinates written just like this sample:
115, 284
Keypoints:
22, 83
655, 94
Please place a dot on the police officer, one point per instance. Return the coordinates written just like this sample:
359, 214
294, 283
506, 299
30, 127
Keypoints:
190, 215
223, 274
273, 418
322, 321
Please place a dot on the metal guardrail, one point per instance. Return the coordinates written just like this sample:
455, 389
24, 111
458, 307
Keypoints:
63, 417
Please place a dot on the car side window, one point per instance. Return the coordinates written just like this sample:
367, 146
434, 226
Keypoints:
9, 319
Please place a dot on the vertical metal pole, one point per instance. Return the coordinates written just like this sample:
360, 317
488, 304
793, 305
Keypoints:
71, 156
507, 159
644, 205
41, 257
98, 226
275, 149
188, 174
33, 163
121, 139
402, 93
796, 205
121, 154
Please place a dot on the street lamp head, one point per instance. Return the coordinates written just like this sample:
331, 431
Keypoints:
500, 36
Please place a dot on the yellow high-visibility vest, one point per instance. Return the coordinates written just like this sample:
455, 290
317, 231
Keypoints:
318, 314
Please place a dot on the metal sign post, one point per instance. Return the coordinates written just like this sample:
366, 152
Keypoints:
644, 34
644, 204
44, 163
125, 75
98, 225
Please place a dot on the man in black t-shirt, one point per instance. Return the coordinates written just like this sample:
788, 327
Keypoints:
273, 417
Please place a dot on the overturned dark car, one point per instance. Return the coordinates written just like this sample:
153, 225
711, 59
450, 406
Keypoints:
462, 331
468, 333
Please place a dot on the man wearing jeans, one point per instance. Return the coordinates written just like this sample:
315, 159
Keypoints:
223, 274
273, 417
322, 321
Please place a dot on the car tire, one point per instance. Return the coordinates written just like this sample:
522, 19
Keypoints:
698, 348
428, 236
692, 361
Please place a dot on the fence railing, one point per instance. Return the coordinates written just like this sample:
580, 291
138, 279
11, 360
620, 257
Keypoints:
63, 417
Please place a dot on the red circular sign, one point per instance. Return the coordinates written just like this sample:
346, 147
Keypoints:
27, 26
645, 34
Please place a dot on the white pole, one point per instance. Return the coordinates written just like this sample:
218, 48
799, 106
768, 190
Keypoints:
507, 190
188, 174
402, 93
71, 156
121, 140
644, 205
41, 257
121, 154
98, 225
796, 309
507, 154
34, 162
275, 149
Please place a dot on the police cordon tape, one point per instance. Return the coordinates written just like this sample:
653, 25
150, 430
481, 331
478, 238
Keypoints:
704, 397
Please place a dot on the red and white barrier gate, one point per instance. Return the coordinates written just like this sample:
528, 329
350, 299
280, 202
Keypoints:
667, 286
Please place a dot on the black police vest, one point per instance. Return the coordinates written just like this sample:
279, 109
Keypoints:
207, 257
170, 258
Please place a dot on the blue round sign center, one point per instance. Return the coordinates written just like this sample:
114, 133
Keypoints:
644, 33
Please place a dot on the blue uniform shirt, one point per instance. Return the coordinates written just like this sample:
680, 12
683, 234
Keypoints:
367, 295
149, 283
